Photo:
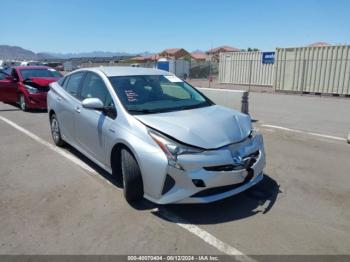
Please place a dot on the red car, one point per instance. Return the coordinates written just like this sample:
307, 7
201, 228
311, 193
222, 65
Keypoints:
27, 85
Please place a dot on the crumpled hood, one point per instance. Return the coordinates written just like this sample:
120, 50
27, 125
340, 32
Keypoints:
208, 127
42, 81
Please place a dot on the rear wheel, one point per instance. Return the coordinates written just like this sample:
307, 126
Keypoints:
132, 179
55, 131
22, 103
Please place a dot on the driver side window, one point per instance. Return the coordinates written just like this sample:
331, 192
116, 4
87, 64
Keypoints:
94, 87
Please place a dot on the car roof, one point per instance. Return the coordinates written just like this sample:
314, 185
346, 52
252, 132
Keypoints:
126, 71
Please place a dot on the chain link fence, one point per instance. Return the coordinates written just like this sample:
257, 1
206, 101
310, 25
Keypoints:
203, 69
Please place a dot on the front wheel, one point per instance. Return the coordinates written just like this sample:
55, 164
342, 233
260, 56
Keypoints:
132, 179
22, 103
55, 131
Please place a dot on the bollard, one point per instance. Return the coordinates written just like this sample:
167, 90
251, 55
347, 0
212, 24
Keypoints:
349, 138
245, 103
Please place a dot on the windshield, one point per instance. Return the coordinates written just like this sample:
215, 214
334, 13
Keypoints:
42, 72
148, 94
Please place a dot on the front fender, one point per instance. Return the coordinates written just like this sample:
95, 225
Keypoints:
152, 161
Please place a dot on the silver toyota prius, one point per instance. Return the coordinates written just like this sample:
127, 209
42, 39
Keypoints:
160, 137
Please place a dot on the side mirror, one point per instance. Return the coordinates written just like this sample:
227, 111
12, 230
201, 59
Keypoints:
93, 103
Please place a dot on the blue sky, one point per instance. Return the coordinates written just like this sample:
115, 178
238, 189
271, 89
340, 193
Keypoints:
152, 25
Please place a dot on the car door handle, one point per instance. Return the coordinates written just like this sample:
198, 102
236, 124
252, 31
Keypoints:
58, 98
77, 109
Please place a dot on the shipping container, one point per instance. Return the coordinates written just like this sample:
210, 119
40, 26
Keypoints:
323, 69
247, 68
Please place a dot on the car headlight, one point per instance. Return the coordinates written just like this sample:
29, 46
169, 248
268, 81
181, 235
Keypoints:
31, 90
171, 148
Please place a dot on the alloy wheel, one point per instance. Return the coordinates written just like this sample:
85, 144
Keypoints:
55, 130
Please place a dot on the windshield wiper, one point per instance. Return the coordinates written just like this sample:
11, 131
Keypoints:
141, 111
164, 110
193, 106
186, 107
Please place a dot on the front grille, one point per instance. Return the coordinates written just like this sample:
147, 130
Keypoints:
223, 168
248, 161
216, 190
222, 189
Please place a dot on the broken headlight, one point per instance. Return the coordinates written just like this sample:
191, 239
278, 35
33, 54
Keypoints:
31, 90
172, 149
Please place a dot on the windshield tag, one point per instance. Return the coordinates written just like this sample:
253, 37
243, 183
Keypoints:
131, 95
173, 79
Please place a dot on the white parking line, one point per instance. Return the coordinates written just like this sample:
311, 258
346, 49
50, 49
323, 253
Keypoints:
304, 132
202, 234
62, 152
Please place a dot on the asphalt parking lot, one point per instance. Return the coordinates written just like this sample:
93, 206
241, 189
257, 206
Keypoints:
57, 202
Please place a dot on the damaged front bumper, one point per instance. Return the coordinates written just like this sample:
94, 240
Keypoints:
37, 101
214, 174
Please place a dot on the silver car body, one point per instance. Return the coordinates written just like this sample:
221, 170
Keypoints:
225, 136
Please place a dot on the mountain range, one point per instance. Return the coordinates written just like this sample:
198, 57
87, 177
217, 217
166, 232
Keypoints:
18, 53
85, 54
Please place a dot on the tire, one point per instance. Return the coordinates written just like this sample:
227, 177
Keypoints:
132, 179
22, 103
55, 131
